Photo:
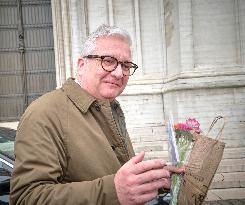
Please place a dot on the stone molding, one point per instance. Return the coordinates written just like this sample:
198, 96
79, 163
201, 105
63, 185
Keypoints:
187, 81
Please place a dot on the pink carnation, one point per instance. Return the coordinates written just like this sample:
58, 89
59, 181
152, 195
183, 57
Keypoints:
194, 124
182, 126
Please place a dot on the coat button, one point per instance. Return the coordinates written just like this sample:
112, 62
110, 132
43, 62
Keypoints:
97, 107
115, 106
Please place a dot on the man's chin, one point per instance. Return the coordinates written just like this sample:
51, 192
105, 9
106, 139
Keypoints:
111, 95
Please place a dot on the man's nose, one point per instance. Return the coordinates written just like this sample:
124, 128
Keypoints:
118, 72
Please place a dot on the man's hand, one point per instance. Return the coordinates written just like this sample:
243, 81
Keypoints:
137, 181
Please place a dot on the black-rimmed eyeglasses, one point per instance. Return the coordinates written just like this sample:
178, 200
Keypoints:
109, 63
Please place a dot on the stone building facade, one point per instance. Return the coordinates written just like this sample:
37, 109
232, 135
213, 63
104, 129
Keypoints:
191, 57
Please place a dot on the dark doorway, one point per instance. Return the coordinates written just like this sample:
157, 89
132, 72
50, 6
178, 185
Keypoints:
27, 64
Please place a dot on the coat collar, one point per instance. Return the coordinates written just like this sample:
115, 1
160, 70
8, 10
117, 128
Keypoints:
81, 98
77, 95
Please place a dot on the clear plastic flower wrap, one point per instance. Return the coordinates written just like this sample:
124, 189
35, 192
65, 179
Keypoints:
180, 146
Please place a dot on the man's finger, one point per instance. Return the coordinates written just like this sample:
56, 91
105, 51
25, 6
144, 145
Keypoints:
175, 169
153, 175
148, 165
137, 158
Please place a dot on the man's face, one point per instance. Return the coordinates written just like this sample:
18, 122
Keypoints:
94, 79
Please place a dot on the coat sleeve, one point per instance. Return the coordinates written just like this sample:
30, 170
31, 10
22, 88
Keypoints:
40, 164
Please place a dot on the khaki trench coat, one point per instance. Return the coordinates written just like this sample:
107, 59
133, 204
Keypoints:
68, 148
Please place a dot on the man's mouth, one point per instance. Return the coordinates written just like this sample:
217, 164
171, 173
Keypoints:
113, 83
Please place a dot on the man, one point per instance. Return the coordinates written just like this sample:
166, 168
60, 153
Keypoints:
72, 146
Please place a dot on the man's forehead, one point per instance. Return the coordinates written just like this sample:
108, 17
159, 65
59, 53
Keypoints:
113, 46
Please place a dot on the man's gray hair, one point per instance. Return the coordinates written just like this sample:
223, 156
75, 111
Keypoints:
103, 31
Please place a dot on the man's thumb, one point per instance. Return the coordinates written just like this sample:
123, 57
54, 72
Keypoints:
138, 158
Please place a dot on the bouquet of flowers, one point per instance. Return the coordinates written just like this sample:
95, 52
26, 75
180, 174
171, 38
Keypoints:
180, 146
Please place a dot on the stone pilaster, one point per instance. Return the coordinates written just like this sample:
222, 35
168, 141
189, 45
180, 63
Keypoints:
62, 40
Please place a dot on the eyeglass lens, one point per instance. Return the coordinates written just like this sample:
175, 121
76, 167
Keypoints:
110, 63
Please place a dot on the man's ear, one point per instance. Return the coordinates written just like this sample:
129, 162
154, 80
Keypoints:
80, 64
